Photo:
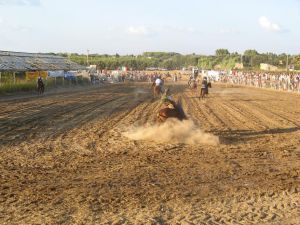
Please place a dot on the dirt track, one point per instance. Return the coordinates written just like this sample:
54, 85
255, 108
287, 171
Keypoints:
64, 160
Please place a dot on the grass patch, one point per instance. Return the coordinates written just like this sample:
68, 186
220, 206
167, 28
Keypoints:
18, 87
31, 86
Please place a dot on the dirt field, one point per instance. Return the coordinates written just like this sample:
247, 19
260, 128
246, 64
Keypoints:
64, 159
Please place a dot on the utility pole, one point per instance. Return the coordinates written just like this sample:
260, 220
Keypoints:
87, 57
287, 63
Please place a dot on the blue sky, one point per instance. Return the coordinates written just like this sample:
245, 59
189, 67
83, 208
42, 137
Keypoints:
135, 26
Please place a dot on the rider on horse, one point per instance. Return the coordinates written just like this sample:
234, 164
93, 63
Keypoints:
204, 86
40, 84
190, 80
159, 83
171, 108
167, 99
40, 80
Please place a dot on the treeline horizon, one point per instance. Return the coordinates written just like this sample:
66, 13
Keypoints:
222, 59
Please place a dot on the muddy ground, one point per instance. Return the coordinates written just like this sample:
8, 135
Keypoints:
64, 159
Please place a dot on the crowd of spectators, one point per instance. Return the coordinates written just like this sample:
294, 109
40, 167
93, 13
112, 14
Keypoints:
135, 76
278, 81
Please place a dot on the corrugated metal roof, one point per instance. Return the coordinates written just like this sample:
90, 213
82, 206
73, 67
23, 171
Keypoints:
19, 61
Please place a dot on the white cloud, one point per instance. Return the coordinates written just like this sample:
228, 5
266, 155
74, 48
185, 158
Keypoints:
266, 24
20, 2
138, 30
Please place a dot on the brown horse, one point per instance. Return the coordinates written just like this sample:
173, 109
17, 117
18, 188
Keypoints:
40, 88
176, 112
204, 91
192, 84
156, 90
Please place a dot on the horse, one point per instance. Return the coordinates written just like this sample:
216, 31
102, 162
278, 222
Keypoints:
204, 91
192, 84
40, 88
175, 112
156, 90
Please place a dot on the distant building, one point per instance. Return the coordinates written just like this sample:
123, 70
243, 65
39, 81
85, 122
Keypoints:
34, 65
268, 67
23, 62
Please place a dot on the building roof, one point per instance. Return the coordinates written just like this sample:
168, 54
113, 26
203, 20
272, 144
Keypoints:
19, 61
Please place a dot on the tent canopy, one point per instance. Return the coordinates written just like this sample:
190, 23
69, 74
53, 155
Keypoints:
20, 62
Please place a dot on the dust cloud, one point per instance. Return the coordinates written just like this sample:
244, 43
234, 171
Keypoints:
172, 131
138, 92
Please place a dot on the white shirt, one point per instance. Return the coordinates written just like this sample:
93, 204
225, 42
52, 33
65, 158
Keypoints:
158, 82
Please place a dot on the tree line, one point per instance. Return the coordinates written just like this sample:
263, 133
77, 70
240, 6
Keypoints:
222, 59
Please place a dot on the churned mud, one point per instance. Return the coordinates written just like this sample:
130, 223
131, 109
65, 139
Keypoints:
98, 157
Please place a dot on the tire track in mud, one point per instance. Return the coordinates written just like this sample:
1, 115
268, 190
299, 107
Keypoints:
245, 116
34, 116
254, 122
261, 116
86, 115
232, 117
238, 117
97, 176
189, 108
113, 117
279, 104
55, 98
254, 208
53, 114
205, 117
143, 113
66, 141
147, 112
216, 109
56, 104
37, 101
24, 109
258, 98
282, 116
20, 111
135, 115
97, 132
43, 114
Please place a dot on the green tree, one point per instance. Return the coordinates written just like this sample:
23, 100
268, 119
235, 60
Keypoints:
222, 52
250, 52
